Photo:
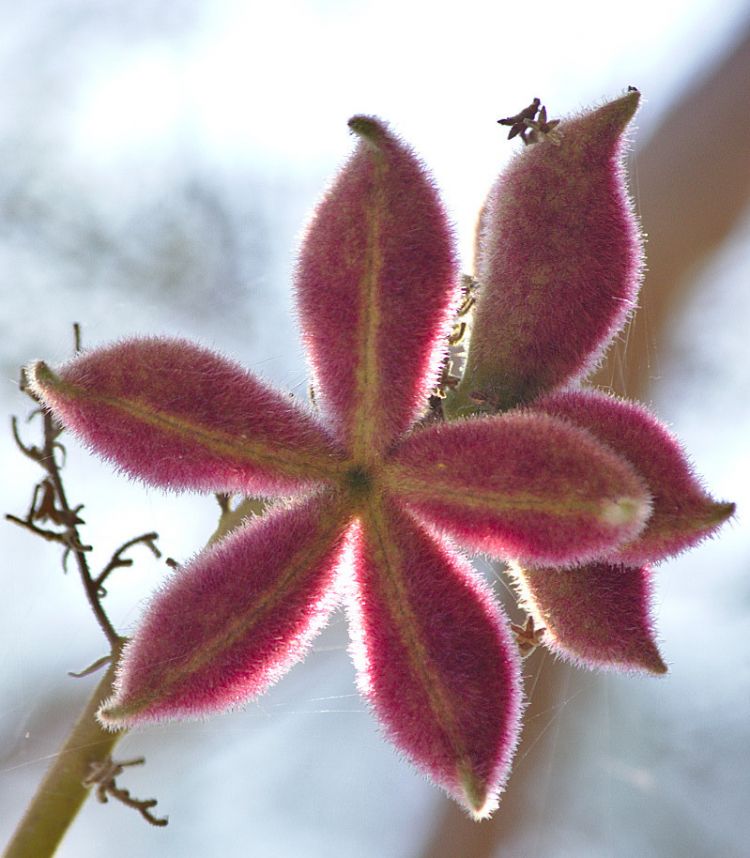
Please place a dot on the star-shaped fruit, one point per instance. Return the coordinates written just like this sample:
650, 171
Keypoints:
370, 497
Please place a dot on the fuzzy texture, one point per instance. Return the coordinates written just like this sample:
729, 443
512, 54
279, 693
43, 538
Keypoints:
683, 512
550, 487
559, 261
435, 657
375, 281
180, 416
594, 616
235, 619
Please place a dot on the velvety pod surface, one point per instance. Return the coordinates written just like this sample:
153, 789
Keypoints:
558, 261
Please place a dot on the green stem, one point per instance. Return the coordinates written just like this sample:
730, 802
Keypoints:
231, 519
62, 793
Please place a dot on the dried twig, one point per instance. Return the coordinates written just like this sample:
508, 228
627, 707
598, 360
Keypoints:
56, 508
103, 775
117, 561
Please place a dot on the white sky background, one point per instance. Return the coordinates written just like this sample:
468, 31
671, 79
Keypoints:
253, 99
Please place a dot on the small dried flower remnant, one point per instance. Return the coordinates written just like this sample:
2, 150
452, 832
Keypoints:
518, 121
532, 124
373, 495
528, 637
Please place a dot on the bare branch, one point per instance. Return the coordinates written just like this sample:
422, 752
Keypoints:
49, 535
102, 775
117, 561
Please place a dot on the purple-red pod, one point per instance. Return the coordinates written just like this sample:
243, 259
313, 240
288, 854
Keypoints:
179, 416
376, 281
520, 486
683, 513
559, 261
598, 615
235, 619
434, 657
